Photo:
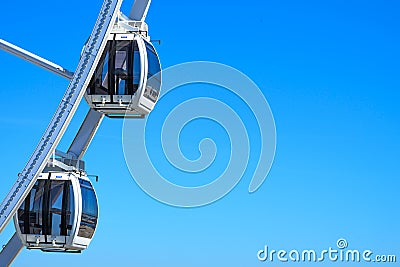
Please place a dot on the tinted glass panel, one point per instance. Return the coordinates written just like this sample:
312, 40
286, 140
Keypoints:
154, 63
136, 67
48, 209
56, 197
104, 74
118, 71
30, 214
99, 85
154, 75
89, 210
121, 67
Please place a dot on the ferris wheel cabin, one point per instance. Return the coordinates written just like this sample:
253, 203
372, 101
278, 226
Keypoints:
127, 80
59, 214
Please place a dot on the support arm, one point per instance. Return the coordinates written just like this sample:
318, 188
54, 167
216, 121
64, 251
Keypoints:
39, 61
85, 134
139, 10
10, 251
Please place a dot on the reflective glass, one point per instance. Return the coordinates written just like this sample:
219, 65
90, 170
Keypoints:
89, 211
153, 86
48, 209
104, 75
136, 67
121, 67
56, 197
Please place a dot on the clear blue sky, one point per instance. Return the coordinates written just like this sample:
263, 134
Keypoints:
330, 72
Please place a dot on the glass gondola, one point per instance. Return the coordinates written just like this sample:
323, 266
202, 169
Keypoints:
59, 215
127, 80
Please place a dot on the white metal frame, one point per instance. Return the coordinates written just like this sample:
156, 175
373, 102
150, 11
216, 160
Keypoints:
139, 100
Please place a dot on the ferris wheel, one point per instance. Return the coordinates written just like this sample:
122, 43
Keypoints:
53, 203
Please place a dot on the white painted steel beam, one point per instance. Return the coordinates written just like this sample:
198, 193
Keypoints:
10, 251
139, 10
85, 134
39, 61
